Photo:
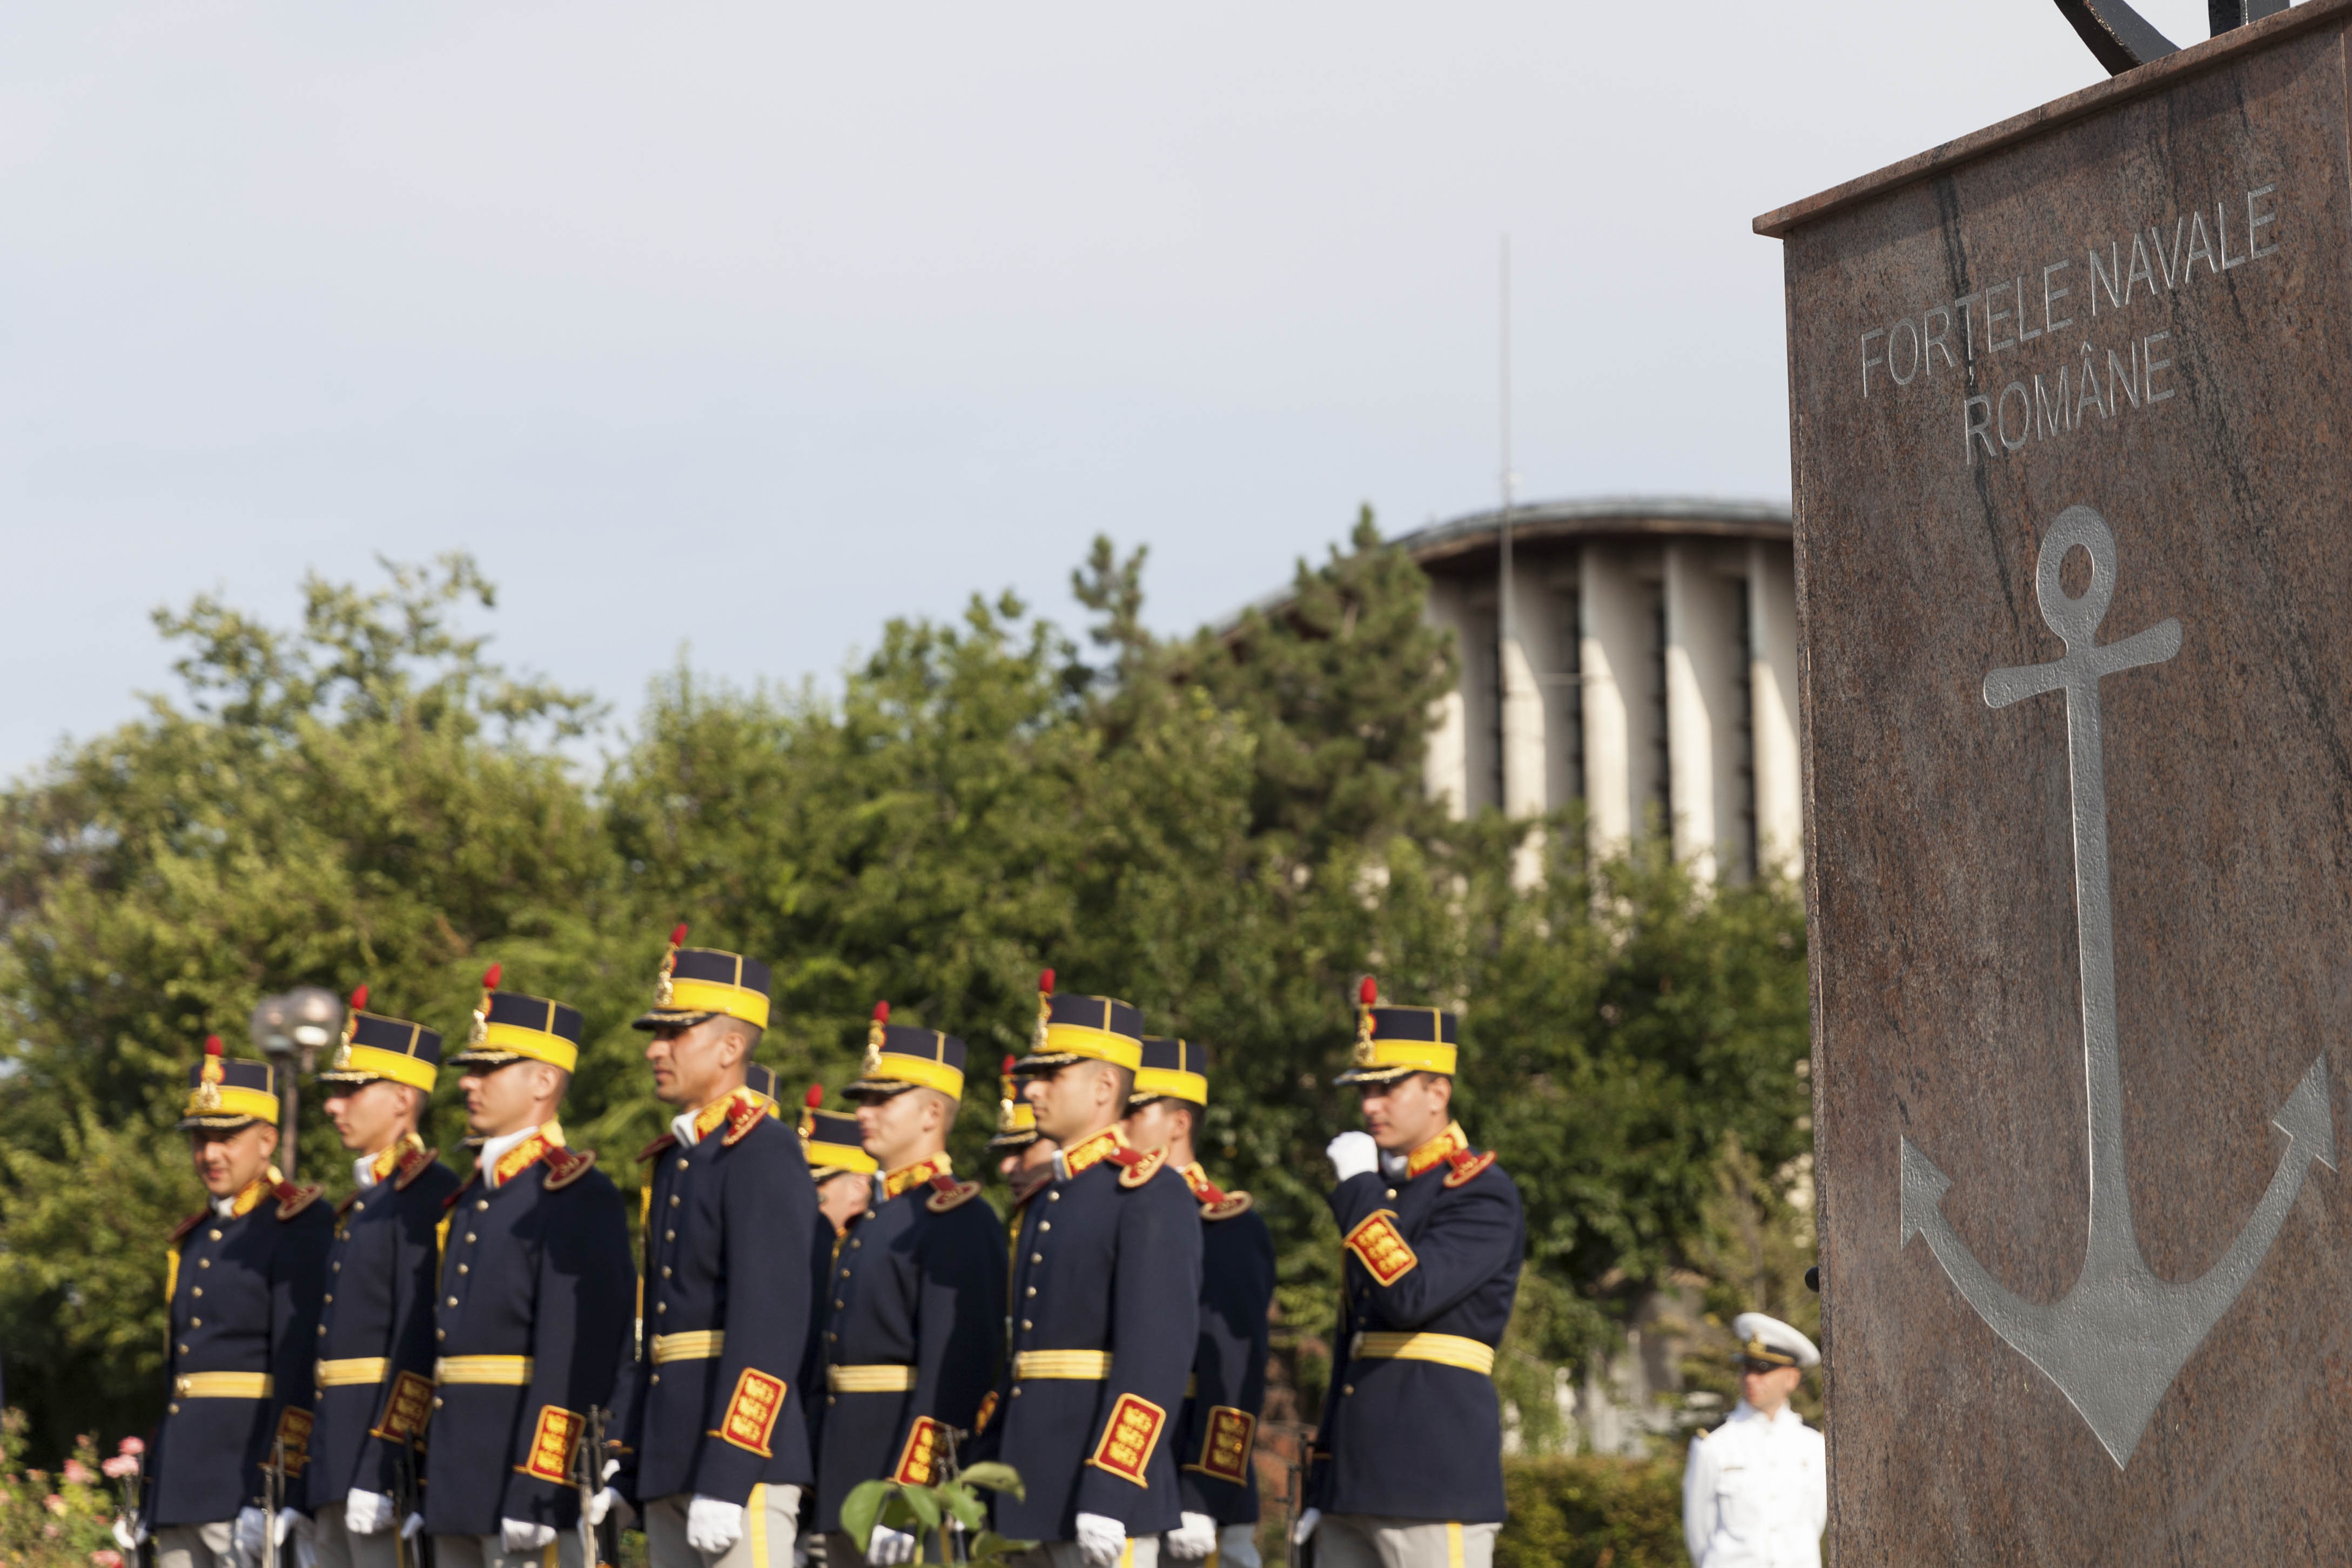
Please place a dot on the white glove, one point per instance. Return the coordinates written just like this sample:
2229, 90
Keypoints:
1352, 1155
368, 1513
1195, 1537
889, 1546
522, 1535
1100, 1539
412, 1527
252, 1524
606, 1502
129, 1534
712, 1526
1305, 1529
1237, 1547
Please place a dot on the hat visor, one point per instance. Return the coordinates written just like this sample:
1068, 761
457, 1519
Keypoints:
1020, 1140
877, 1088
1139, 1100
484, 1056
216, 1124
1375, 1074
1046, 1062
352, 1077
668, 1017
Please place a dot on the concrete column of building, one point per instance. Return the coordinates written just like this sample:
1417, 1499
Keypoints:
1524, 766
1772, 686
1613, 608
1445, 766
1705, 667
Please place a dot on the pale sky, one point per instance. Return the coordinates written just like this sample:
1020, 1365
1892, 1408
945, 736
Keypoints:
744, 328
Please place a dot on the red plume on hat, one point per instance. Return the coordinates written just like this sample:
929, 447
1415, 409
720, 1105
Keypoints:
211, 1045
359, 999
1010, 1063
481, 1030
1366, 995
352, 1019
874, 1035
814, 1098
1044, 1006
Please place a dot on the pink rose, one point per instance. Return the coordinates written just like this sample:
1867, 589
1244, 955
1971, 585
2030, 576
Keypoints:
122, 1465
79, 1474
50, 1532
54, 1503
106, 1558
130, 1445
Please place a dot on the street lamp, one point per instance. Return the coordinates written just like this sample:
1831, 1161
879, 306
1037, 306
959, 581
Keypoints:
289, 1031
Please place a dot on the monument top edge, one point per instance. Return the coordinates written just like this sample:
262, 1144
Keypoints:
2153, 77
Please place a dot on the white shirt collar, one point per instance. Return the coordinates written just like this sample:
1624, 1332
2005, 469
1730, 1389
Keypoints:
226, 1208
495, 1149
364, 1171
683, 1126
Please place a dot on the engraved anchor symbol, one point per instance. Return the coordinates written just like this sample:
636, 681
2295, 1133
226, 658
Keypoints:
2113, 1344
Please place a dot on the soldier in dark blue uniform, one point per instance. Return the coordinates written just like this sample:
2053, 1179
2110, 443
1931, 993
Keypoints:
716, 1449
1025, 1158
244, 1276
1216, 1480
1408, 1470
1106, 1307
844, 1174
374, 1376
533, 1300
915, 1330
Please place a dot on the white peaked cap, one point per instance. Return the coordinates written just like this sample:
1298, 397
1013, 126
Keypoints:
1756, 1333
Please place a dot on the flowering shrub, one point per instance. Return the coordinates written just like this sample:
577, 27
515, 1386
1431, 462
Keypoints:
60, 1520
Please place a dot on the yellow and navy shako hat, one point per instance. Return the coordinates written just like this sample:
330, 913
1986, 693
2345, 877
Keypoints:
1172, 1070
225, 1095
1393, 1041
830, 1140
1016, 1119
510, 1026
697, 983
375, 1046
761, 1081
898, 1058
1083, 1029
1766, 1341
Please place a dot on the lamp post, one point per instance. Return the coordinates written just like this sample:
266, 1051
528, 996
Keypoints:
289, 1031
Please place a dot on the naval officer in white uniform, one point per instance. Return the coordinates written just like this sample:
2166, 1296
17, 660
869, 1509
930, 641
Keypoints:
1756, 1492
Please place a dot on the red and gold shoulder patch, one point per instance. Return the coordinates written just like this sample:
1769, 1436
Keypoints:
294, 1434
1143, 1168
407, 1410
1381, 1247
565, 1166
655, 1149
987, 1412
1468, 1168
744, 1112
1226, 1445
1231, 1205
751, 1417
1128, 1438
551, 1445
948, 1193
179, 1231
292, 1200
413, 1164
919, 1458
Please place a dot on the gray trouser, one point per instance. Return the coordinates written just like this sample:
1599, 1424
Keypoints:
489, 1551
770, 1520
339, 1548
196, 1545
1379, 1541
1141, 1553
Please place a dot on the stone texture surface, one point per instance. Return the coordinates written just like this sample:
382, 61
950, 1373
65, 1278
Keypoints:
1947, 999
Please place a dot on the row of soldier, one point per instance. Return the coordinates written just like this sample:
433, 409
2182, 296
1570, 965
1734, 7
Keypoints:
485, 1361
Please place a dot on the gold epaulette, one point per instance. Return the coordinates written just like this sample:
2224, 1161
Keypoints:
744, 1112
565, 1166
1468, 1167
292, 1200
1141, 1168
948, 1193
1231, 1205
413, 1164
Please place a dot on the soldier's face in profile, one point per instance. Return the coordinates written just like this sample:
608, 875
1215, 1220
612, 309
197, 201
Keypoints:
228, 1163
502, 1100
1073, 1100
1157, 1124
371, 1117
902, 1128
1406, 1112
693, 1065
843, 1196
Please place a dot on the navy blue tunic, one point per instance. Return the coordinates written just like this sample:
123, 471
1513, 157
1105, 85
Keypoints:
379, 1304
1415, 1438
539, 1267
917, 1282
244, 1299
729, 1224
1217, 1477
1100, 1266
